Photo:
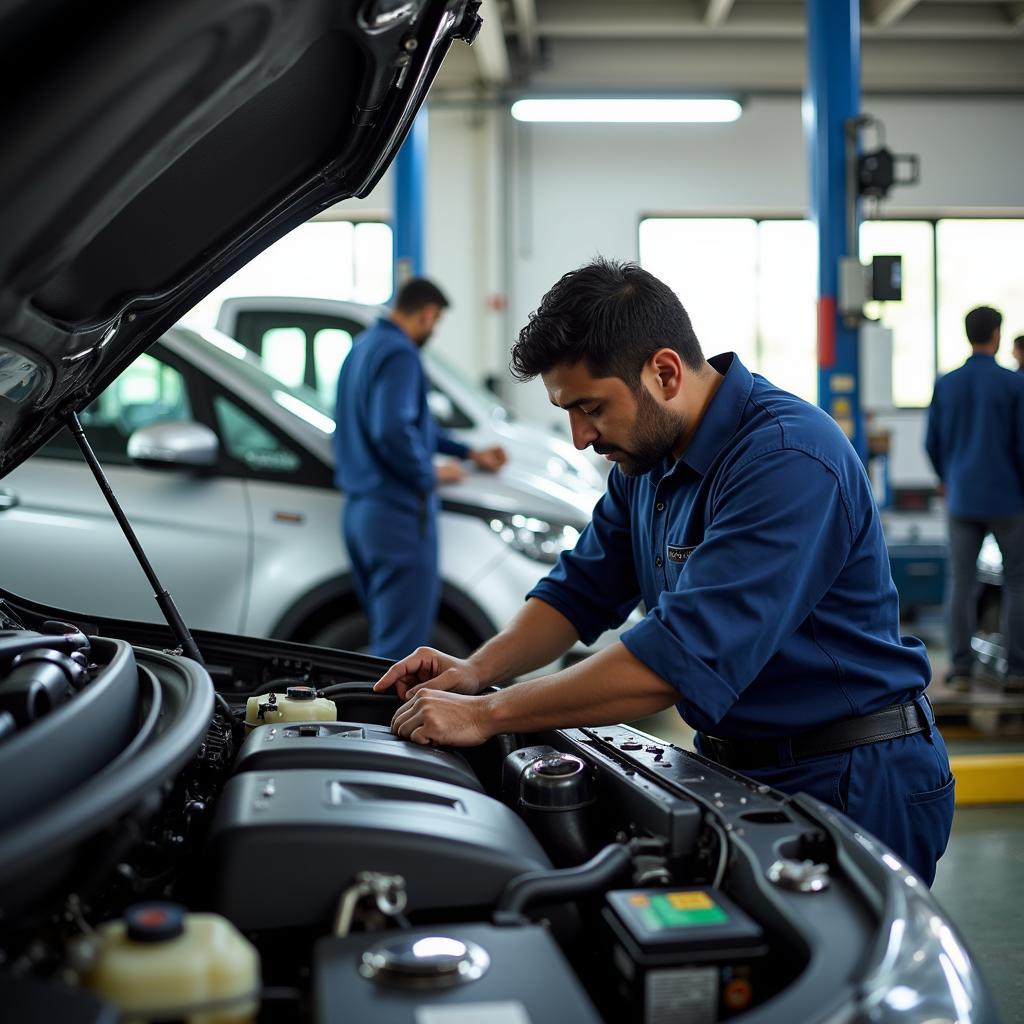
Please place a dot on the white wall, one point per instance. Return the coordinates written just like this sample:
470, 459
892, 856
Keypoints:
581, 190
511, 207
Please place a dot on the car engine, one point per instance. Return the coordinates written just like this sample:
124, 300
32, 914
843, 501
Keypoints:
250, 841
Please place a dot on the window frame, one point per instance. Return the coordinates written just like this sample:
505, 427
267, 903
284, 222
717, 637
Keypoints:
931, 218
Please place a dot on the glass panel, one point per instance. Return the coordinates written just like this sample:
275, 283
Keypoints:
249, 442
330, 347
787, 304
373, 263
711, 264
316, 260
912, 320
149, 391
283, 354
979, 265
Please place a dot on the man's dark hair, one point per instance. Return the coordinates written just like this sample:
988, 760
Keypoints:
611, 316
417, 293
981, 323
1018, 342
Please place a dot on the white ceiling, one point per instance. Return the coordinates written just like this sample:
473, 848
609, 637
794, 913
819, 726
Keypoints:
907, 46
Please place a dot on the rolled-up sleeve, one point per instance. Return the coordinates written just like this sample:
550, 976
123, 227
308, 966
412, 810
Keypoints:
779, 535
595, 585
447, 445
393, 420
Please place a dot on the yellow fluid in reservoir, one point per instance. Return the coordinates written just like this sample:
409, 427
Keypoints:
207, 973
298, 704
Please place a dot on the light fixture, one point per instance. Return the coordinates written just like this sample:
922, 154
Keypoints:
653, 110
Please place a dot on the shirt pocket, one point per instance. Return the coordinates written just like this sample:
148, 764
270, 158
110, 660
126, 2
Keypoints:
676, 557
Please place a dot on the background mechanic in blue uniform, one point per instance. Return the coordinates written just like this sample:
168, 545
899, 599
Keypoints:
743, 518
385, 439
975, 441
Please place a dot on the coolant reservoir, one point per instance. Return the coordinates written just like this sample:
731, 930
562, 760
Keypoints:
296, 704
161, 963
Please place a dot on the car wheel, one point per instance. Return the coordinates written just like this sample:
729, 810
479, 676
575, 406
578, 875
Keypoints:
352, 633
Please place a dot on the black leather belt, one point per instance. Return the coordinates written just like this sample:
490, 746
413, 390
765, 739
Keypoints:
888, 724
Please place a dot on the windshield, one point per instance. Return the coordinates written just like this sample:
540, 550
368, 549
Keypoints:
300, 400
479, 392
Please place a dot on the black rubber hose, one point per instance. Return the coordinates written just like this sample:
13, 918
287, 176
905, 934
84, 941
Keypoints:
562, 883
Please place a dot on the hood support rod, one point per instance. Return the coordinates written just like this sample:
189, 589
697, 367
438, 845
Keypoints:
163, 598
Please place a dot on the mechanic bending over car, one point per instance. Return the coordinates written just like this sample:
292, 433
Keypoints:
743, 518
384, 441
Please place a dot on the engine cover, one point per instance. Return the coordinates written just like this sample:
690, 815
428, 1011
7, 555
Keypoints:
286, 845
351, 746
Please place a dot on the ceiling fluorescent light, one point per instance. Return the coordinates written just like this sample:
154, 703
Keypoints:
626, 111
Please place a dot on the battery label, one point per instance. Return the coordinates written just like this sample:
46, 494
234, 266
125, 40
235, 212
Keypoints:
680, 910
687, 994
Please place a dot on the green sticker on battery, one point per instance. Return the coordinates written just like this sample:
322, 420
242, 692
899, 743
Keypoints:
684, 909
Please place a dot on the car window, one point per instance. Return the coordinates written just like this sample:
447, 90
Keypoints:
283, 354
330, 347
247, 441
148, 392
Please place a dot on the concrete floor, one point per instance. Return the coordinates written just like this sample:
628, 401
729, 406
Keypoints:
980, 883
980, 880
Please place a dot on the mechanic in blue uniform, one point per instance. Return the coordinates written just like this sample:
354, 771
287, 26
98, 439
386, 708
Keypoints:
743, 519
384, 442
1018, 352
975, 441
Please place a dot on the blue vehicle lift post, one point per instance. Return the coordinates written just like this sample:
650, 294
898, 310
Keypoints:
410, 202
831, 104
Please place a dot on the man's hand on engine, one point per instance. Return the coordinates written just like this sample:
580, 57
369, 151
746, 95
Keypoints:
440, 717
431, 669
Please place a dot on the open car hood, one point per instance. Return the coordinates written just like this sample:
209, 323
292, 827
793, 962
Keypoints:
150, 150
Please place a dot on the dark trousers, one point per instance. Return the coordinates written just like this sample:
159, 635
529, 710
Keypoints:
394, 563
965, 540
901, 791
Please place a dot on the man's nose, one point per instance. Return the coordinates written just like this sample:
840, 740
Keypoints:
583, 433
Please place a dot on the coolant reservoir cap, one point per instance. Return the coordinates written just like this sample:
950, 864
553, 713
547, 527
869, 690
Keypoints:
154, 922
425, 961
300, 693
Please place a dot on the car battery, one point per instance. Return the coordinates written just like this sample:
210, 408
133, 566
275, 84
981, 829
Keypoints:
683, 956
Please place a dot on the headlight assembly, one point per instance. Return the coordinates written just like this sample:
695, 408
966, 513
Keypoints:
538, 539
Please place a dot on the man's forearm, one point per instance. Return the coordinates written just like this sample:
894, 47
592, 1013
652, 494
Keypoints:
608, 687
536, 636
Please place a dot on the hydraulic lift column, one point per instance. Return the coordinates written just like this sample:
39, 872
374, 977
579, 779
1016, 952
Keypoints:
833, 99
410, 202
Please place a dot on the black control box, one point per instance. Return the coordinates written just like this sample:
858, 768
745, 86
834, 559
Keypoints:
683, 954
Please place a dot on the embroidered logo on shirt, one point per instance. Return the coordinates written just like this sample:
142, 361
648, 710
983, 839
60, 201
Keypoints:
680, 555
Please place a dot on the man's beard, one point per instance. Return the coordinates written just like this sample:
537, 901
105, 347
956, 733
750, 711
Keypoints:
655, 434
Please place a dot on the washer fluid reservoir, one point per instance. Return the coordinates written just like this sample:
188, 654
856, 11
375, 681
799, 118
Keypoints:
160, 962
296, 704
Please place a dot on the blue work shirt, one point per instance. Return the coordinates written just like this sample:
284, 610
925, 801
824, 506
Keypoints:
760, 559
385, 436
976, 439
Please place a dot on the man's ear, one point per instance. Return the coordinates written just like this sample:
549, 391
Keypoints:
667, 370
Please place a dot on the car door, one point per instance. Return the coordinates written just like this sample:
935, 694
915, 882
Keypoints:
60, 544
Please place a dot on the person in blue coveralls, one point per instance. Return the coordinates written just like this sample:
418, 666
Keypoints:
975, 441
384, 443
744, 520
1018, 352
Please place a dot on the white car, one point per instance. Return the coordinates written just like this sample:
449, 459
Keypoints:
305, 341
231, 491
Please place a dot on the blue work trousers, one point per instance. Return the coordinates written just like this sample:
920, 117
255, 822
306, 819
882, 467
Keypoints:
393, 552
965, 539
901, 791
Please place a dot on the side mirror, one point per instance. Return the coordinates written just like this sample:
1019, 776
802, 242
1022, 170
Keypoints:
441, 407
174, 444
